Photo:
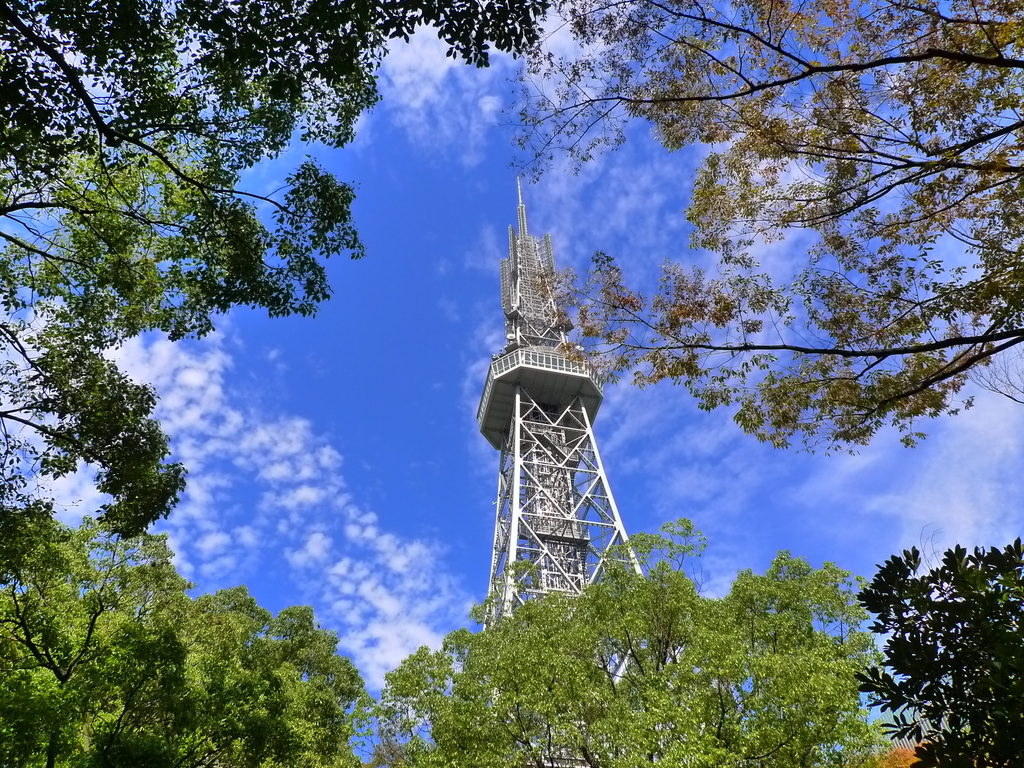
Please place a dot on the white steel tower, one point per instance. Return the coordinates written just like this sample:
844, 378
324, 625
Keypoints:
556, 518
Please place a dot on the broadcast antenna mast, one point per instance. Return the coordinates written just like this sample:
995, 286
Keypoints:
556, 518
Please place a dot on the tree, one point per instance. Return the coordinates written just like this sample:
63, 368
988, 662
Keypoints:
884, 139
124, 131
898, 757
107, 662
954, 658
640, 670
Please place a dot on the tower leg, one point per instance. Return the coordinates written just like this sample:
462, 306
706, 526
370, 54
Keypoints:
556, 518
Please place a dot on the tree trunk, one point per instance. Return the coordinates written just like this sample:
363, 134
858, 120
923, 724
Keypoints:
51, 749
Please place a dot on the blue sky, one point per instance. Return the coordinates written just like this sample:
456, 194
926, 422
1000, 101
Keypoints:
336, 461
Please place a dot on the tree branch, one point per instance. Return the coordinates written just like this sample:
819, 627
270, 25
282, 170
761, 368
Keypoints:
881, 352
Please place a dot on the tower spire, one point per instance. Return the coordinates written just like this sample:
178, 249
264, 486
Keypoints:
556, 519
522, 209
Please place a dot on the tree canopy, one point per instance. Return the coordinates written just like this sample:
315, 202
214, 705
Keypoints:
639, 670
882, 140
954, 659
124, 131
106, 661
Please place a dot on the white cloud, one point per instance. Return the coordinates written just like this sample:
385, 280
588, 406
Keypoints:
299, 497
442, 104
628, 202
962, 485
302, 526
218, 567
212, 543
313, 553
393, 598
76, 496
247, 536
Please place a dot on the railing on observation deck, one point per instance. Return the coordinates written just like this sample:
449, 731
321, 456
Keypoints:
545, 358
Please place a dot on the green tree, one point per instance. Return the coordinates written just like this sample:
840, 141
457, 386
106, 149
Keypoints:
885, 138
107, 662
124, 131
644, 670
954, 657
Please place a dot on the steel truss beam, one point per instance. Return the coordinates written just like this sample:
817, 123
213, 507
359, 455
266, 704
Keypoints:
556, 517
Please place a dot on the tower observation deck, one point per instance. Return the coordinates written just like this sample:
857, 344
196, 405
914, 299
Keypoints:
555, 512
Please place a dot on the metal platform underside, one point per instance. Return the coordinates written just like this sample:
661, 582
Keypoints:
549, 377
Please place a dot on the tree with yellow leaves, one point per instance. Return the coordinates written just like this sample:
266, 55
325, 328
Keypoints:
890, 133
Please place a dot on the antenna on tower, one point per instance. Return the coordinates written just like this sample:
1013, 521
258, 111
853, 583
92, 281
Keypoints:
522, 209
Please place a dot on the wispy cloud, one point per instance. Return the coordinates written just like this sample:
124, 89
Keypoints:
960, 486
440, 103
267, 499
628, 202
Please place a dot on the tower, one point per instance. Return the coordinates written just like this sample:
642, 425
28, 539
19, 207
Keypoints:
556, 518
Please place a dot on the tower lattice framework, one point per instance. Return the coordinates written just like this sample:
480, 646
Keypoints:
556, 517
